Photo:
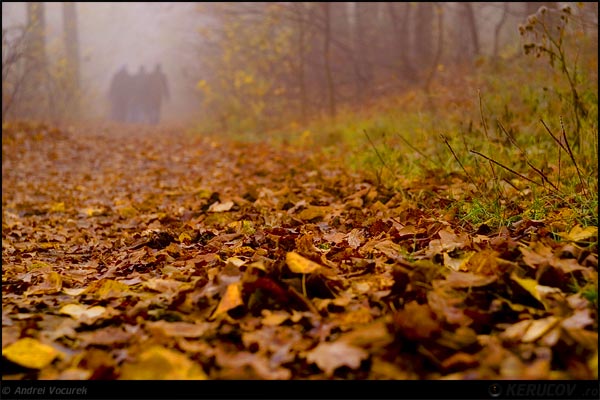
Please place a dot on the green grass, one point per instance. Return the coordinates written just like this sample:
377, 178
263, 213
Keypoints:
480, 133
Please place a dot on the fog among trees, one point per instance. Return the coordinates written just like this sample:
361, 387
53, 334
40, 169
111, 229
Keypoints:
237, 65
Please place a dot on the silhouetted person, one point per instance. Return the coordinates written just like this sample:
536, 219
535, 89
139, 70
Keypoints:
159, 90
120, 95
141, 105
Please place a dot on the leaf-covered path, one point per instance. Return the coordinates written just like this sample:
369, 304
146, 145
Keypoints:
165, 256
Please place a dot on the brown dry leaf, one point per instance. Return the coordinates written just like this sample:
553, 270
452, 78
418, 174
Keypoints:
335, 237
30, 353
538, 328
300, 265
458, 263
164, 285
52, 284
445, 306
483, 262
159, 363
390, 249
460, 360
245, 365
217, 207
274, 318
312, 212
373, 335
457, 279
106, 289
355, 238
515, 332
416, 321
105, 337
448, 241
178, 329
330, 356
78, 311
231, 299
580, 319
537, 255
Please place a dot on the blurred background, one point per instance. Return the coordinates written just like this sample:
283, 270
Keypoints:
255, 65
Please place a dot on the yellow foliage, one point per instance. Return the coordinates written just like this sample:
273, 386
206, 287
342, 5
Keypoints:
30, 353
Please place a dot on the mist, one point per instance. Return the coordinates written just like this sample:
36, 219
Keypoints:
253, 66
131, 34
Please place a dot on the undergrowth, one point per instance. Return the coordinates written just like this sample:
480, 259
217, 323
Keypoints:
508, 139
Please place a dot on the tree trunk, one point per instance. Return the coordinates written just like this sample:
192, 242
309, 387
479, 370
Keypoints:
299, 8
498, 29
472, 24
36, 62
402, 39
423, 44
327, 58
71, 33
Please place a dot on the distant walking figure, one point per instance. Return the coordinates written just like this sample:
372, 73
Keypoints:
119, 95
141, 105
159, 90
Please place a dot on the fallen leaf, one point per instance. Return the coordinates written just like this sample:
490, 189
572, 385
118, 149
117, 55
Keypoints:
580, 319
221, 207
164, 285
30, 353
530, 285
515, 332
245, 365
159, 363
416, 321
538, 328
52, 284
299, 264
231, 299
330, 356
178, 329
373, 335
458, 263
457, 279
355, 238
80, 311
106, 288
73, 291
108, 336
578, 234
312, 212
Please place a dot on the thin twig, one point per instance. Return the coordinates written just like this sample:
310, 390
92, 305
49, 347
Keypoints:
458, 161
583, 186
514, 143
496, 185
417, 150
557, 140
485, 128
379, 155
508, 169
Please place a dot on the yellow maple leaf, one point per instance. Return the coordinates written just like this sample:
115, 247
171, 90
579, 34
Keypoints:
299, 264
30, 353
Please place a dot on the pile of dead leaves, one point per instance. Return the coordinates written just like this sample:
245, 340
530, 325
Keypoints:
160, 256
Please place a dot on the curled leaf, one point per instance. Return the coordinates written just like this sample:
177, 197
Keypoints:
231, 299
299, 264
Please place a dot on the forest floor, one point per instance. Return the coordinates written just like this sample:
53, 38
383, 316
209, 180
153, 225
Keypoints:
160, 255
